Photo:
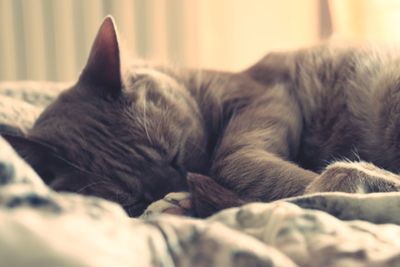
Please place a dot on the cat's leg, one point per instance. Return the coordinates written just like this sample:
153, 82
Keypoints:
253, 157
354, 177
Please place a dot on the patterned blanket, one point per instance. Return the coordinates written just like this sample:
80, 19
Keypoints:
39, 227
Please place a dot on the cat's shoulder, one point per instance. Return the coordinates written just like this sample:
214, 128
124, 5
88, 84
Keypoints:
332, 55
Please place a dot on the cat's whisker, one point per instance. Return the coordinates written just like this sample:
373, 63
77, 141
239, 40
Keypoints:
80, 169
90, 185
356, 154
145, 120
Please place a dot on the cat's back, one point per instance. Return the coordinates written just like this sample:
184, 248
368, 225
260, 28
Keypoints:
349, 98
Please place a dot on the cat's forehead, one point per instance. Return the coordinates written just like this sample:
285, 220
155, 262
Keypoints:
144, 72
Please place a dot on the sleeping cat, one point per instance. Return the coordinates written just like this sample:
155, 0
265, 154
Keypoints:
293, 123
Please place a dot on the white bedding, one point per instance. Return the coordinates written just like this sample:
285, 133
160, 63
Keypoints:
39, 227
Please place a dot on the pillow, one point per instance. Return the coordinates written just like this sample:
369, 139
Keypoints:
22, 102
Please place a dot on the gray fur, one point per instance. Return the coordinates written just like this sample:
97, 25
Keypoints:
265, 133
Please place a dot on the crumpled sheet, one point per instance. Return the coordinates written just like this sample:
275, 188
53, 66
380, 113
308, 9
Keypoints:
39, 227
22, 102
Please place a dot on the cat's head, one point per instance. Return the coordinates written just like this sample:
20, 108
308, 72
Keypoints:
128, 140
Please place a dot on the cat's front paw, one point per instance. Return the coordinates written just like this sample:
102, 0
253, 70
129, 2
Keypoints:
179, 203
354, 177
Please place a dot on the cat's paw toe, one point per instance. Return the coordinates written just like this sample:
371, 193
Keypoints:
182, 200
179, 203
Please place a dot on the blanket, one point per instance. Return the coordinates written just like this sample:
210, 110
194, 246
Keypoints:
40, 227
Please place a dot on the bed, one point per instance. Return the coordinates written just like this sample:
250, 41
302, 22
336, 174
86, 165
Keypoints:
40, 227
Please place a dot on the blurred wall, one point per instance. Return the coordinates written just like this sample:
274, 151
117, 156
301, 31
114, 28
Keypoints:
366, 20
50, 40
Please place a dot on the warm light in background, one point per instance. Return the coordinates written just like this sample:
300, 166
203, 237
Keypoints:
367, 20
50, 40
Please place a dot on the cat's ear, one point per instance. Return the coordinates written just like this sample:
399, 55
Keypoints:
102, 72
